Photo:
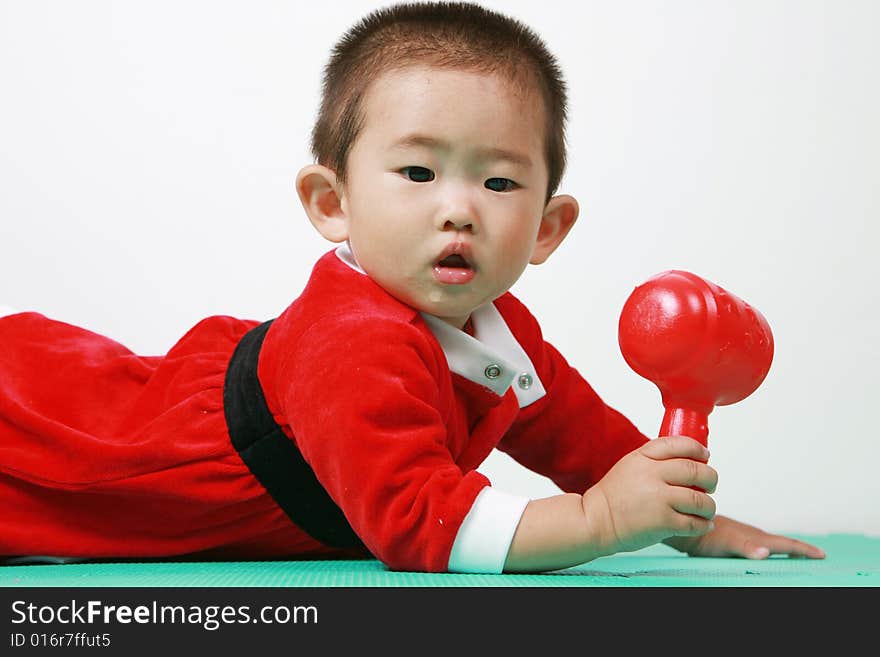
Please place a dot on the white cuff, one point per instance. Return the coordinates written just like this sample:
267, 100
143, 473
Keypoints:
485, 535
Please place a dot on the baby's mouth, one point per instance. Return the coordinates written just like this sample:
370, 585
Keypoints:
454, 261
454, 268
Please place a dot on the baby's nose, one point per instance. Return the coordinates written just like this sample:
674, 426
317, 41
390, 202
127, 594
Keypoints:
458, 223
457, 209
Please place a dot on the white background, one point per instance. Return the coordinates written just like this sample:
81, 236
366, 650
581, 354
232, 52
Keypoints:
148, 152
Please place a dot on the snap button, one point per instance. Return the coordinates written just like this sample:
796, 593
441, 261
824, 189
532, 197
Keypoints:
492, 371
525, 381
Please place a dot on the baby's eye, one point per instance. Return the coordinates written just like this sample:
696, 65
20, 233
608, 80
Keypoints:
418, 174
500, 184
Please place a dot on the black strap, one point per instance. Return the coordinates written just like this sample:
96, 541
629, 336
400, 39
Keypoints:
272, 457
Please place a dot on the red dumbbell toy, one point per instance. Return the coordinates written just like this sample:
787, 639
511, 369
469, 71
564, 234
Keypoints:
702, 346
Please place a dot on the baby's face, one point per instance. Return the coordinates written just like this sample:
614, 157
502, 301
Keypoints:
446, 187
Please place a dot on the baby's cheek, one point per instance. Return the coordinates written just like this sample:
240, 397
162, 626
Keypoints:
516, 247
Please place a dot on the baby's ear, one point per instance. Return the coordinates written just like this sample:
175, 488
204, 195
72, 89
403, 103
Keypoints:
560, 213
318, 192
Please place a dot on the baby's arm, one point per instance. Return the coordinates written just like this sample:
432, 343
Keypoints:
651, 494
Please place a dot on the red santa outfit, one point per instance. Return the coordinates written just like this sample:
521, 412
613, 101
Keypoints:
374, 420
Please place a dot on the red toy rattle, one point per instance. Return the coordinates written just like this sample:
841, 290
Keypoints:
702, 346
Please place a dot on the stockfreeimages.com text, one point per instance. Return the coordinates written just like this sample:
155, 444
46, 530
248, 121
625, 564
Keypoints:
211, 617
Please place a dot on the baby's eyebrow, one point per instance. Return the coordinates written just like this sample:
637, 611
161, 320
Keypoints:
491, 154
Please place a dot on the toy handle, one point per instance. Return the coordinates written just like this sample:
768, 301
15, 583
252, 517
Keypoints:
685, 422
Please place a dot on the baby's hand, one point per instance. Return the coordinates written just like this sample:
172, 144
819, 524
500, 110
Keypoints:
649, 495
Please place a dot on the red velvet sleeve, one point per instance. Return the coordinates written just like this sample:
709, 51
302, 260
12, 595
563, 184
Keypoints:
570, 435
363, 402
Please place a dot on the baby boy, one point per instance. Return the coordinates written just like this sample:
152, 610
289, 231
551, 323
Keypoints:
354, 422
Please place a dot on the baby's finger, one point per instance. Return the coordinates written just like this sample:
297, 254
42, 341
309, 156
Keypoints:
687, 472
670, 447
693, 503
691, 525
775, 544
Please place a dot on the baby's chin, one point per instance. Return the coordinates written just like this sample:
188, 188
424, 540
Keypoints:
456, 314
437, 304
450, 303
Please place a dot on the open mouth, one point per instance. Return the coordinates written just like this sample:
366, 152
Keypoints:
454, 261
454, 267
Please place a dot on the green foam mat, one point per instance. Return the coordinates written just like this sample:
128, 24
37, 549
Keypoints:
852, 560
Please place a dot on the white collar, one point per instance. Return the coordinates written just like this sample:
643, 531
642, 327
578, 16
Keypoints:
492, 357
